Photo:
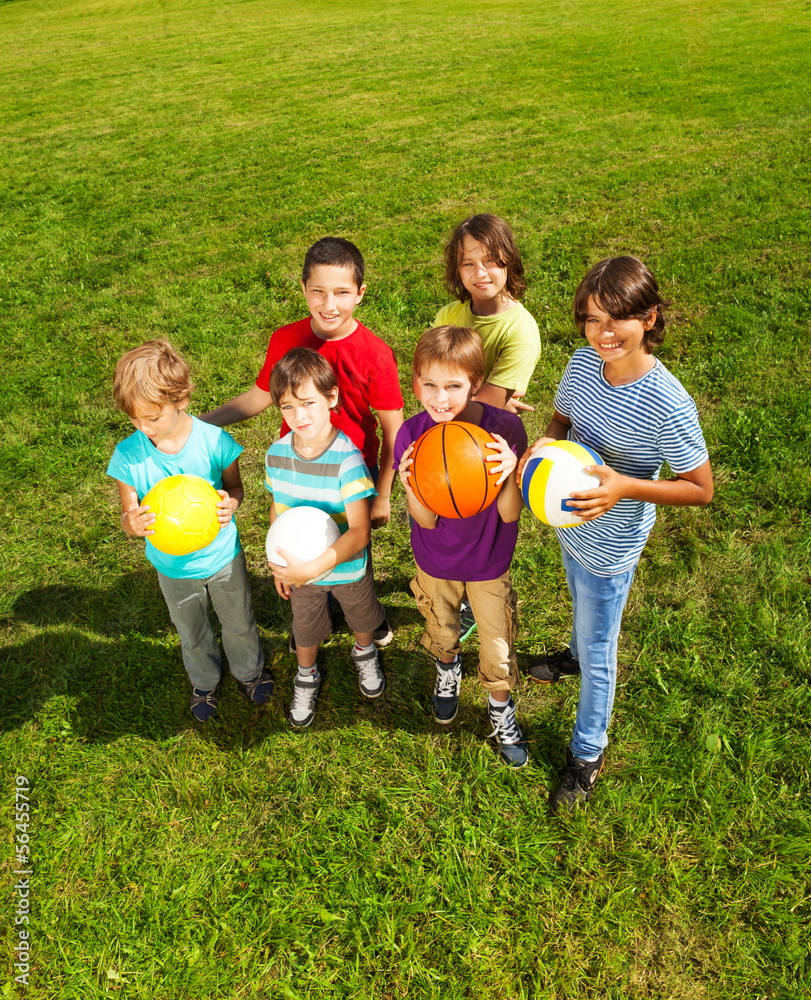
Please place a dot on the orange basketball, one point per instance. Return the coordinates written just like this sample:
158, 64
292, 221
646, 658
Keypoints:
449, 474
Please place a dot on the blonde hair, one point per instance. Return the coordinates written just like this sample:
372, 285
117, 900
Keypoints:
452, 346
151, 373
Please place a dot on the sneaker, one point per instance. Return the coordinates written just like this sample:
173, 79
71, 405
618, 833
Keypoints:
260, 688
203, 704
576, 781
508, 736
549, 669
305, 695
467, 622
370, 676
446, 690
382, 634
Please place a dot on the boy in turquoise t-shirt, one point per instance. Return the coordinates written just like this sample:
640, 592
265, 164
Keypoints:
152, 386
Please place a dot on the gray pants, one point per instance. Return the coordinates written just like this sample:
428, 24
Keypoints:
230, 593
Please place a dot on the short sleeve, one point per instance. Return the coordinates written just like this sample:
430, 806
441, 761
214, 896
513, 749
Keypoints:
384, 386
563, 397
681, 441
518, 356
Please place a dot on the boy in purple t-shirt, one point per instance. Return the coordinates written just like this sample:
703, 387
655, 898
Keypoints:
472, 553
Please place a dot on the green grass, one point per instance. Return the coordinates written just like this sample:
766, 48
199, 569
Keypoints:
165, 165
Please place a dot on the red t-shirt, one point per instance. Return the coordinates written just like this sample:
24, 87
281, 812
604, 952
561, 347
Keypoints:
367, 379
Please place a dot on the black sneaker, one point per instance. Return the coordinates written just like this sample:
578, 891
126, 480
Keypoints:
467, 621
446, 691
382, 634
507, 733
576, 782
549, 669
203, 704
260, 688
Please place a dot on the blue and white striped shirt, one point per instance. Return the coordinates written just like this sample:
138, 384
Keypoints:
634, 428
330, 481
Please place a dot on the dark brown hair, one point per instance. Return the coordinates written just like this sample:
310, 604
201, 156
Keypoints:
297, 367
625, 289
335, 252
453, 347
497, 239
151, 373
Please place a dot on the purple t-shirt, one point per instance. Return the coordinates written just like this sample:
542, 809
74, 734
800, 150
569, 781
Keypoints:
466, 548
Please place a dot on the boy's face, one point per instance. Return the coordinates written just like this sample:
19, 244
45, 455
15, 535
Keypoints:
308, 413
444, 391
615, 339
332, 295
479, 273
158, 422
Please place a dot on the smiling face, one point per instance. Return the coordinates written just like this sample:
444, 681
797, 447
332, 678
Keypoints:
308, 413
619, 342
483, 277
160, 423
444, 392
332, 295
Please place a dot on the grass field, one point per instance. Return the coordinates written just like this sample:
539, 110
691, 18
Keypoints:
165, 165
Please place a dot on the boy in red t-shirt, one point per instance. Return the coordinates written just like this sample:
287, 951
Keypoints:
332, 282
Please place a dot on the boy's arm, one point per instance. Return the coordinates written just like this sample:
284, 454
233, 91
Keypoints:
233, 493
241, 407
296, 573
390, 423
686, 489
135, 520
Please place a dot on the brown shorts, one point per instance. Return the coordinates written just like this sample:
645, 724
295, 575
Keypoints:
311, 619
495, 606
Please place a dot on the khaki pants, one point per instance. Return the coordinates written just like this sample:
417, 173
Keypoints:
494, 605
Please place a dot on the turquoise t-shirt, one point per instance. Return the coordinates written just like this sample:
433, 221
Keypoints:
209, 450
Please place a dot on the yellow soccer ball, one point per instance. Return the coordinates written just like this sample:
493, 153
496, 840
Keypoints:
186, 512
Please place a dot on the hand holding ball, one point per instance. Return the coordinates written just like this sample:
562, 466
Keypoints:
304, 532
551, 474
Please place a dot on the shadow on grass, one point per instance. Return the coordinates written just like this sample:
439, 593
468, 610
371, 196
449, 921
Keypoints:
107, 662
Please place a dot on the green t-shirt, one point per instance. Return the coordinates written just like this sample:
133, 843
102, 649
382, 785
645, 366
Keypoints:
511, 342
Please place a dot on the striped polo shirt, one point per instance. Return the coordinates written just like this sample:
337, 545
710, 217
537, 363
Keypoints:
329, 481
634, 428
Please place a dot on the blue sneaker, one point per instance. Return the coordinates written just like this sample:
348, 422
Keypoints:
508, 736
446, 691
203, 704
260, 688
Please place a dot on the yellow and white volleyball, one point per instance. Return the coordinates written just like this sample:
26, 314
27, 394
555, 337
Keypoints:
305, 532
551, 475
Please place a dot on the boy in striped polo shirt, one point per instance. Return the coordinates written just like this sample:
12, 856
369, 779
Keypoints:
618, 399
316, 465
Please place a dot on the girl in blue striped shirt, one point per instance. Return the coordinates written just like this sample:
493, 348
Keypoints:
618, 399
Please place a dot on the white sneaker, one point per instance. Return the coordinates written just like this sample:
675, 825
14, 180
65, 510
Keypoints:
305, 695
370, 676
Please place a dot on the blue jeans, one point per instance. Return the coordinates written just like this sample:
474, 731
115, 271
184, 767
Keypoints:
597, 606
230, 593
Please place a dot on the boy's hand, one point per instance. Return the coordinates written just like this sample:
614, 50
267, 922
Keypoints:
404, 469
528, 455
295, 574
591, 504
137, 520
381, 511
226, 508
516, 406
505, 458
